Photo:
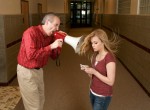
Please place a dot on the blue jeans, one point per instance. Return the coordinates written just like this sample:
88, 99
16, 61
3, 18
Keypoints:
99, 103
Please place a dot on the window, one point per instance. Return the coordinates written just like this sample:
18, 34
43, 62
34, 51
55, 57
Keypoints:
144, 7
124, 6
81, 14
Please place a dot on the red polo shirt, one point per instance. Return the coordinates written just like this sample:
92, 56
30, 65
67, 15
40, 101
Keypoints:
35, 50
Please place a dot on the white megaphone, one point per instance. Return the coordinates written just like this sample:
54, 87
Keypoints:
75, 42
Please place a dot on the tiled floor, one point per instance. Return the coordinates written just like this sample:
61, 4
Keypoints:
9, 97
67, 87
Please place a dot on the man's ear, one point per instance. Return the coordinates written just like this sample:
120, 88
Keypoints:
47, 21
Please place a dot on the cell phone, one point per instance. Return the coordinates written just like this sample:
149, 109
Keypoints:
83, 66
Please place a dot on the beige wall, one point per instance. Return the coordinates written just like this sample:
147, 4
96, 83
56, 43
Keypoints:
134, 7
44, 5
33, 6
101, 6
110, 6
56, 6
10, 7
34, 3
14, 6
107, 6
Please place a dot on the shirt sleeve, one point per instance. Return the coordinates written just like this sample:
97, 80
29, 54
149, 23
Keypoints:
110, 58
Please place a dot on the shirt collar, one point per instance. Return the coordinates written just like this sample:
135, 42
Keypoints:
41, 29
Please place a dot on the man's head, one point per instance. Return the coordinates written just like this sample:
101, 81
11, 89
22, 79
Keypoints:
50, 23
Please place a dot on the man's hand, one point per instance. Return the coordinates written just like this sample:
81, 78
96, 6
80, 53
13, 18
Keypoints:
56, 43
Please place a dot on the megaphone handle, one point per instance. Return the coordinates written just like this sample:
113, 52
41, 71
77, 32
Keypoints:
57, 60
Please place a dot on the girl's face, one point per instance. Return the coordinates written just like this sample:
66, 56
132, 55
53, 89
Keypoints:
97, 44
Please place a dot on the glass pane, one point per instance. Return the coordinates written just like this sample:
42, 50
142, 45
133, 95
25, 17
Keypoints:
78, 21
83, 21
83, 13
78, 14
88, 13
88, 21
88, 6
84, 6
78, 5
71, 5
71, 14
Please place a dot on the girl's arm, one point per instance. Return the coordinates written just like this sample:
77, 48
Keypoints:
111, 70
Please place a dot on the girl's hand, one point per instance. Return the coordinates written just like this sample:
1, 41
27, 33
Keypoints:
83, 66
90, 70
87, 69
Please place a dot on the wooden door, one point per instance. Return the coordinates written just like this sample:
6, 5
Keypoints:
39, 8
25, 12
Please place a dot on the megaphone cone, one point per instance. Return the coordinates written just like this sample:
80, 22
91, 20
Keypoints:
75, 42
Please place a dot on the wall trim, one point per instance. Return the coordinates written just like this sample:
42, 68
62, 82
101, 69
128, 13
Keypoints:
133, 42
13, 43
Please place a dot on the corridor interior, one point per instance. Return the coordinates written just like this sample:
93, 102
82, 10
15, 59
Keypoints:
67, 87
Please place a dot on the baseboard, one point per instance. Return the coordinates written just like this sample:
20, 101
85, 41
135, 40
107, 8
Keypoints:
146, 91
7, 83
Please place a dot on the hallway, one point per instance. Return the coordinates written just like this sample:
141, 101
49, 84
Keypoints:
67, 87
